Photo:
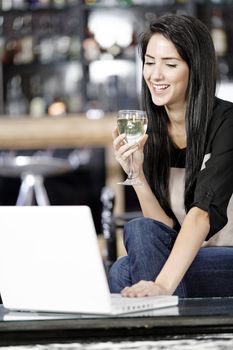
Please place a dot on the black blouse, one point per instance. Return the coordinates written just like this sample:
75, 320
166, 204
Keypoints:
214, 185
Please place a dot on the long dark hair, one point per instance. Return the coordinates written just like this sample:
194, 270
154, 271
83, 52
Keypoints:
194, 44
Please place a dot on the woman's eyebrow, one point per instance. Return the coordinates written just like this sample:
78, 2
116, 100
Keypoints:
149, 56
171, 58
163, 58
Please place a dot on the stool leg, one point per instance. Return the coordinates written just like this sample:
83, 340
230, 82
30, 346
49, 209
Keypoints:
109, 226
40, 191
25, 196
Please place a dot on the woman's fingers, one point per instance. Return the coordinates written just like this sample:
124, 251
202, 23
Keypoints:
123, 150
139, 289
119, 141
143, 141
142, 289
115, 133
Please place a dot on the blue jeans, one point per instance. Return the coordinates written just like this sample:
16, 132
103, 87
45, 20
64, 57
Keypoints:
148, 244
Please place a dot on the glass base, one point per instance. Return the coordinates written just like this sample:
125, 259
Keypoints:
131, 182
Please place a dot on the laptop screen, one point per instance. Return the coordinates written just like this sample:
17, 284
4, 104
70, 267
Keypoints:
50, 260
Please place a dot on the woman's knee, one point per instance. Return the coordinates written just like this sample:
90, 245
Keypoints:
145, 230
138, 229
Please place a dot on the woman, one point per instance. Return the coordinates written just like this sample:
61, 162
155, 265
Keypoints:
182, 244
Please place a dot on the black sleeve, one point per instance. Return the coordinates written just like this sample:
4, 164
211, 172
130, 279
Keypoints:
214, 185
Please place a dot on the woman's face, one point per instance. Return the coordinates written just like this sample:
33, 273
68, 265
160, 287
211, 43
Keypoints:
166, 73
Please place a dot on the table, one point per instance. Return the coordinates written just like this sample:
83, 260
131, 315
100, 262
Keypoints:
191, 318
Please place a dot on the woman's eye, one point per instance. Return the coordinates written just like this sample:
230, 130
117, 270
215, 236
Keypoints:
171, 65
149, 63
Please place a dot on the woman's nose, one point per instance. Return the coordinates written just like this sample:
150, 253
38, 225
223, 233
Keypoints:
157, 72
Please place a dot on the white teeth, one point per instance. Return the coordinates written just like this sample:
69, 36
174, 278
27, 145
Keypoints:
160, 87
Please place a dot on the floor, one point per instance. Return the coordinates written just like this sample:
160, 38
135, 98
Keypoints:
204, 342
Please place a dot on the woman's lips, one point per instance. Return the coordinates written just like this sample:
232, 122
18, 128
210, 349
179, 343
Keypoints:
159, 88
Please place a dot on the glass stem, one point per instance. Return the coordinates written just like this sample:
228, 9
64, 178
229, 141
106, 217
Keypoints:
130, 174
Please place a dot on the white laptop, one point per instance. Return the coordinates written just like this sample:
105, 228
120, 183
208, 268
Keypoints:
50, 262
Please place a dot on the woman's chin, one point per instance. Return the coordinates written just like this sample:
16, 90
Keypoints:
159, 101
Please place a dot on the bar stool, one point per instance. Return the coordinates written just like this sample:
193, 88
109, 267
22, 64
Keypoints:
111, 222
32, 170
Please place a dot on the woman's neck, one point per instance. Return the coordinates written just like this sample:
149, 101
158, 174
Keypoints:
176, 127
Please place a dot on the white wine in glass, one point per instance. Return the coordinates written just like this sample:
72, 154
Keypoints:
132, 123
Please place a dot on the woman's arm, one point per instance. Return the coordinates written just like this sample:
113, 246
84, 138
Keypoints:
192, 234
148, 202
189, 240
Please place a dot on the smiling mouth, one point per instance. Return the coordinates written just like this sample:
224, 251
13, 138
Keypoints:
160, 87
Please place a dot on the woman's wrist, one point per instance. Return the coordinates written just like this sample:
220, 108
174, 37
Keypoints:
162, 290
141, 176
165, 288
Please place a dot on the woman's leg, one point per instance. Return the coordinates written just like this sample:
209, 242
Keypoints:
211, 273
119, 275
148, 244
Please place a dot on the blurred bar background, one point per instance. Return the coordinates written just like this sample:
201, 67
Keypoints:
66, 67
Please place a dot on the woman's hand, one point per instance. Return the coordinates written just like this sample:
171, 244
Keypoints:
142, 289
122, 151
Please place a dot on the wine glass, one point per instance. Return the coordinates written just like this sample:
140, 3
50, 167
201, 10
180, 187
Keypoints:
132, 123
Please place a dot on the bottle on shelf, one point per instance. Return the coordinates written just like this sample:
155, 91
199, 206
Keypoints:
16, 102
218, 32
37, 106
